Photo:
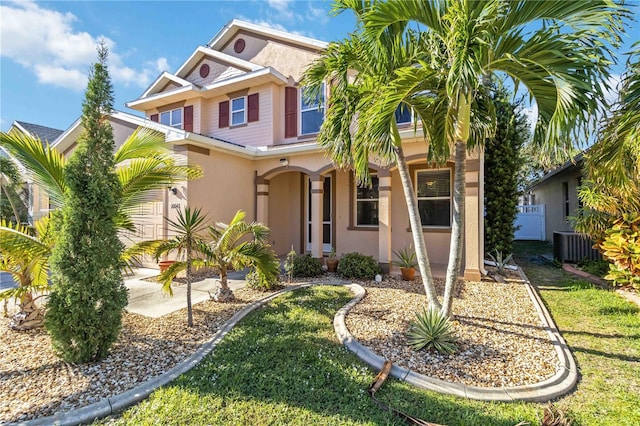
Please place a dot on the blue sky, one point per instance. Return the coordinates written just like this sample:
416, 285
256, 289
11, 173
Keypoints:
46, 48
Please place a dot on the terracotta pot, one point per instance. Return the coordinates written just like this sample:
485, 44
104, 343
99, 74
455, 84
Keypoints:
332, 265
408, 274
164, 264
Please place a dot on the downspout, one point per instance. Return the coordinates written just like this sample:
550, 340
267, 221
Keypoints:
481, 212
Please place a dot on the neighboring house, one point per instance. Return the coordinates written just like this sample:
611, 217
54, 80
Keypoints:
558, 191
38, 202
235, 107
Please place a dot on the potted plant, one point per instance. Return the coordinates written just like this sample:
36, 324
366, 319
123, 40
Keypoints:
407, 263
332, 261
164, 264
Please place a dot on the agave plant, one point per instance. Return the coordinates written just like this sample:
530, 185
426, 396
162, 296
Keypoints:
431, 329
501, 261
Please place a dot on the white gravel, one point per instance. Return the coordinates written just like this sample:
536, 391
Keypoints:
501, 343
501, 340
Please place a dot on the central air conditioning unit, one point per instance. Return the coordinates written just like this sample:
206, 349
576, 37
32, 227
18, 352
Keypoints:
573, 247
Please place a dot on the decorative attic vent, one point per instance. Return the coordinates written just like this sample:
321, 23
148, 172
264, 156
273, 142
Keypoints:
238, 46
204, 70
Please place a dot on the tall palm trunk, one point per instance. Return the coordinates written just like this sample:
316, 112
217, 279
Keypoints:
416, 225
457, 228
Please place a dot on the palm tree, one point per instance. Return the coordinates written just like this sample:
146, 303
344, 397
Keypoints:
24, 253
188, 241
143, 165
556, 50
229, 248
10, 181
612, 165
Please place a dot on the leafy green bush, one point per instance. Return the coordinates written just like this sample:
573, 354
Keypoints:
356, 265
259, 281
595, 267
431, 329
306, 266
622, 247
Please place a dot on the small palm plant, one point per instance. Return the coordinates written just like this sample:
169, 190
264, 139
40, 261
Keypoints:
228, 248
432, 330
188, 243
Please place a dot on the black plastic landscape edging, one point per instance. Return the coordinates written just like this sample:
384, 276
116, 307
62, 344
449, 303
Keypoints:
116, 404
562, 382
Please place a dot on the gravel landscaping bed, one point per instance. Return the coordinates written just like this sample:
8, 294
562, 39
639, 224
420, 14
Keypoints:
501, 343
501, 340
34, 382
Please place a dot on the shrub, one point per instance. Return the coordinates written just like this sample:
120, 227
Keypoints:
431, 329
306, 266
356, 265
259, 281
595, 267
622, 247
85, 307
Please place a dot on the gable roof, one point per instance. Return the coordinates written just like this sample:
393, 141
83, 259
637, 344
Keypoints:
574, 163
232, 28
44, 133
201, 52
162, 80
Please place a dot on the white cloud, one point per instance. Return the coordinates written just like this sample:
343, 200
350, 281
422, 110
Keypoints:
317, 14
45, 42
282, 7
276, 26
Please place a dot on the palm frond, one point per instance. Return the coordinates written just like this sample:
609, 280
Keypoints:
44, 164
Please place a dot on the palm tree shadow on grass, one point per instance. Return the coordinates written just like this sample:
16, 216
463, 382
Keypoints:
285, 357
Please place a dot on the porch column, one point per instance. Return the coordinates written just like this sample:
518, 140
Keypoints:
472, 243
384, 220
262, 201
317, 183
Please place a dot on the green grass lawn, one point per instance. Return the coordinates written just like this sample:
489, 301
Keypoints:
282, 365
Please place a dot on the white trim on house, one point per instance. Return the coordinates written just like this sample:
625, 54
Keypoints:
261, 76
162, 80
202, 51
232, 27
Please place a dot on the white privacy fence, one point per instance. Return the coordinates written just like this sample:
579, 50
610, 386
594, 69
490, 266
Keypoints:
530, 223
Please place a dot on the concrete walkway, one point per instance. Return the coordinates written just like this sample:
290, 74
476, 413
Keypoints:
147, 299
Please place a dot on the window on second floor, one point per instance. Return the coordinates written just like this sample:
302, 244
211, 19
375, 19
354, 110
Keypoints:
434, 196
367, 203
311, 113
403, 114
238, 111
172, 118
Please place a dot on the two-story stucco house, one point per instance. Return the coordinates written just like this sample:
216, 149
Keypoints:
235, 107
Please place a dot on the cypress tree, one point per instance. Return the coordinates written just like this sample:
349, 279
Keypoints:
501, 167
85, 307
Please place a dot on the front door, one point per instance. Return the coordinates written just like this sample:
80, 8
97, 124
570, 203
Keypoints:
326, 215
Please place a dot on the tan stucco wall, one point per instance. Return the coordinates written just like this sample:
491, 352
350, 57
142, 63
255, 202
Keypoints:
289, 60
550, 194
286, 212
227, 186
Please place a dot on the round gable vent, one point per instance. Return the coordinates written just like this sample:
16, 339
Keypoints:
238, 46
204, 70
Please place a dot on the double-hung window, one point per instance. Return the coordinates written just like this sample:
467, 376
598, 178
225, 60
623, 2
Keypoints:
172, 118
238, 111
367, 204
434, 197
311, 112
403, 114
